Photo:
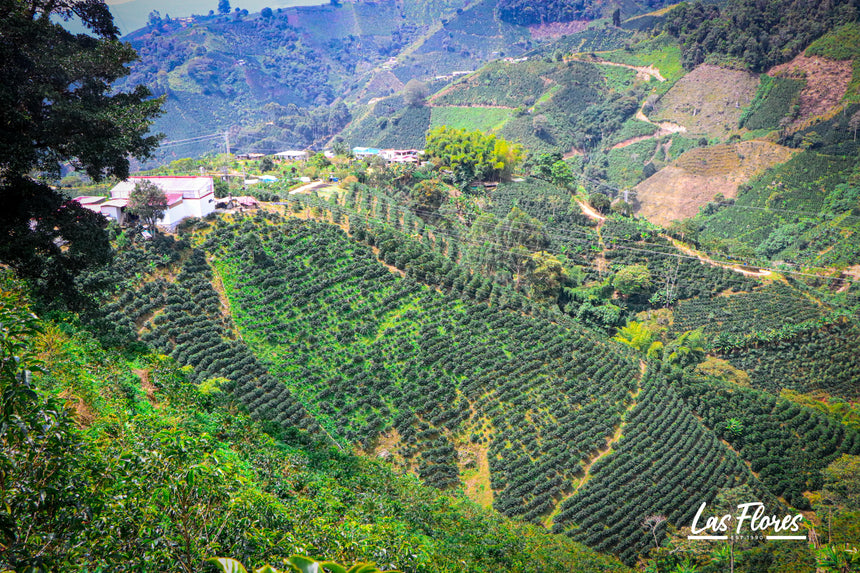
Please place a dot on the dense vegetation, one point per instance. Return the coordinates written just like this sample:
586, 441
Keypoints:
528, 12
733, 317
300, 293
665, 462
808, 360
142, 469
204, 393
756, 34
773, 435
801, 212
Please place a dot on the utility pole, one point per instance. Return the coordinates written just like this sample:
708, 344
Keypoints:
227, 140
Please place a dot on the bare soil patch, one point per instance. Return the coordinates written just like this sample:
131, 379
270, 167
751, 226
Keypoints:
557, 29
826, 83
680, 189
708, 101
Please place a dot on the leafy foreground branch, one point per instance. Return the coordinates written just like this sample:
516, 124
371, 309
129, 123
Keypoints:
295, 564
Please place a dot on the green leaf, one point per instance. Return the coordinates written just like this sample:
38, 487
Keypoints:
304, 564
227, 565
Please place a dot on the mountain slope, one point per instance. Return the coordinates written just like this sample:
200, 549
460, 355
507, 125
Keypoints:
145, 469
542, 419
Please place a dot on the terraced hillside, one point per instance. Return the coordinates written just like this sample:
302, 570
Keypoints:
540, 419
140, 447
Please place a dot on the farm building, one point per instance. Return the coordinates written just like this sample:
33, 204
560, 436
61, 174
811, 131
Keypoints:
291, 155
186, 197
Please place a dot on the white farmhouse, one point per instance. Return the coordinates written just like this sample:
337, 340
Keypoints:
186, 197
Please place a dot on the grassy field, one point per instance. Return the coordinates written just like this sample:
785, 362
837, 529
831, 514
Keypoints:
662, 52
470, 118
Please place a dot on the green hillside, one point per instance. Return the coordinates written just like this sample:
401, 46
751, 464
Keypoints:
539, 419
150, 471
620, 282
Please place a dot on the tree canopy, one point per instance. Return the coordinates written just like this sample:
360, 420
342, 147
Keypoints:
148, 202
57, 107
472, 154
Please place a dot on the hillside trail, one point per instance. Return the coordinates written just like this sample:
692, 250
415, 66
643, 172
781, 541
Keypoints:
643, 72
663, 128
588, 211
705, 259
603, 452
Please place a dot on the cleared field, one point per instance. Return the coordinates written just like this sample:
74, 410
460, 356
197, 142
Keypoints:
826, 83
680, 189
708, 101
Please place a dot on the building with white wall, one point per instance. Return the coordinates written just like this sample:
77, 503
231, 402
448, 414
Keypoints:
191, 196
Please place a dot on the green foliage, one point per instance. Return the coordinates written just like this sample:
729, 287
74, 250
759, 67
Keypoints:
43, 504
471, 155
774, 100
470, 118
574, 103
732, 318
643, 475
500, 84
149, 457
547, 276
686, 350
792, 212
148, 202
661, 51
636, 335
787, 445
813, 356
295, 563
842, 481
734, 31
61, 107
427, 196
632, 280
834, 559
600, 202
842, 43
531, 12
735, 427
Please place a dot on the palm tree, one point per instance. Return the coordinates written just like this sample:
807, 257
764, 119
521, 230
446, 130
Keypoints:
687, 349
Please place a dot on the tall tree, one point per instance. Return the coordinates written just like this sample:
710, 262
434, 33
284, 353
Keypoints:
57, 107
415, 93
148, 202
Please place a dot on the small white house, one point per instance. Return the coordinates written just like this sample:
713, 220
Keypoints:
292, 155
186, 197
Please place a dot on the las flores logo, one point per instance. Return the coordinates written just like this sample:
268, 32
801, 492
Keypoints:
752, 515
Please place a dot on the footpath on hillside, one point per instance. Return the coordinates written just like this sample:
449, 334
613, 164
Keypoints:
589, 212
